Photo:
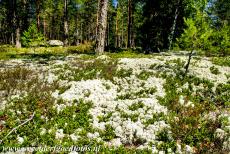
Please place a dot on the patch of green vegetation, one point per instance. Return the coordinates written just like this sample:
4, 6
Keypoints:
139, 94
108, 134
136, 106
134, 117
222, 61
81, 118
214, 70
125, 150
35, 97
107, 86
87, 70
129, 54
106, 117
166, 141
155, 117
223, 95
187, 123
62, 89
122, 73
86, 48
144, 75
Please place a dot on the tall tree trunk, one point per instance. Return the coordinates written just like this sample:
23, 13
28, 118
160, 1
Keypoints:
18, 36
98, 5
117, 29
122, 33
17, 23
14, 20
12, 38
66, 29
108, 29
81, 34
44, 26
171, 35
38, 14
130, 24
101, 27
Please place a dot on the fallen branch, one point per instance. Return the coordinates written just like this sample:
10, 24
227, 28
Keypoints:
18, 127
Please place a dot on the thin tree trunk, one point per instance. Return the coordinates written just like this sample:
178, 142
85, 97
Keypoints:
38, 14
66, 29
98, 5
117, 29
101, 27
122, 33
188, 62
14, 20
130, 39
12, 39
44, 27
171, 35
81, 34
108, 28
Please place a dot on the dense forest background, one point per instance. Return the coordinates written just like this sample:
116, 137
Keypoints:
150, 25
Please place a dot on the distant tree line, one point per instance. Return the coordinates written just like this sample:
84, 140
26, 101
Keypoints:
154, 25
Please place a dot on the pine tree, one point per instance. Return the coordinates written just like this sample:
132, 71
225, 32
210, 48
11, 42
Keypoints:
101, 27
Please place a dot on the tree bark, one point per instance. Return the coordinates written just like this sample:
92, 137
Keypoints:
98, 5
14, 21
38, 14
101, 27
186, 67
117, 31
17, 23
171, 35
44, 26
122, 34
130, 39
66, 26
18, 36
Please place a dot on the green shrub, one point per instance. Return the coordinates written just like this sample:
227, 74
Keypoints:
144, 75
136, 106
222, 61
122, 73
214, 70
196, 35
85, 48
32, 37
221, 41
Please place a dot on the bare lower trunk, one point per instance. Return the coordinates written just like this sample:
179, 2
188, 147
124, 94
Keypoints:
101, 27
117, 44
66, 29
18, 43
98, 5
171, 35
107, 34
129, 23
12, 39
188, 63
66, 33
130, 40
122, 33
38, 14
44, 27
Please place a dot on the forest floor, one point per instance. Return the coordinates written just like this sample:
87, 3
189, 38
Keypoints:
122, 103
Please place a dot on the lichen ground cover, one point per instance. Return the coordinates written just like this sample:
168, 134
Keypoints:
122, 104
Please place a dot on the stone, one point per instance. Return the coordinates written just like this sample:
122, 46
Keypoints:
55, 43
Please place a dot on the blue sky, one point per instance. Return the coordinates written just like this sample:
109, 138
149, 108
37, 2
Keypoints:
115, 2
